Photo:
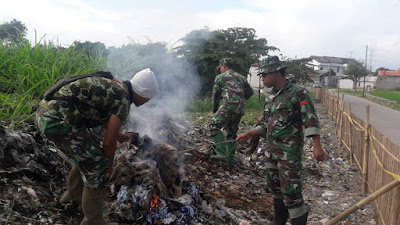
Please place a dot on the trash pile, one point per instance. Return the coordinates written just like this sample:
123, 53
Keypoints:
155, 183
168, 178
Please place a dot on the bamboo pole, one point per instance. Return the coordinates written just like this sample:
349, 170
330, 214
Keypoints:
341, 121
351, 138
363, 202
395, 212
331, 104
338, 111
365, 151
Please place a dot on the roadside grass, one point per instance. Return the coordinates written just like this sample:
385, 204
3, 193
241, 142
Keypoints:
388, 98
391, 95
27, 71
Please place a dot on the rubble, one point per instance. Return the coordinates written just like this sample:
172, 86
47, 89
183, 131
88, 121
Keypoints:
157, 180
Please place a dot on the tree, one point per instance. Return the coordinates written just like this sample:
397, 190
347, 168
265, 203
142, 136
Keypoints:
203, 48
13, 31
379, 69
299, 69
355, 71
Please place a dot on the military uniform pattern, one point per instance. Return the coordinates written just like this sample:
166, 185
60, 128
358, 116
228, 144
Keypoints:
232, 89
81, 105
89, 101
286, 112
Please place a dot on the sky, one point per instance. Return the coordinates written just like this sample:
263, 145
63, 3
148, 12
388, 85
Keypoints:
299, 28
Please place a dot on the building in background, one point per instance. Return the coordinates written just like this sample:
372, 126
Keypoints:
253, 79
330, 69
388, 80
369, 81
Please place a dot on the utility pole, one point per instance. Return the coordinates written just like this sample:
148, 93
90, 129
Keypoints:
371, 55
366, 56
330, 69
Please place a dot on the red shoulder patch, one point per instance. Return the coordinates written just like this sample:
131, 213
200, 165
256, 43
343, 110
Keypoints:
116, 80
303, 102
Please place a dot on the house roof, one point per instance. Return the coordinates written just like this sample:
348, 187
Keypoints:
326, 73
329, 59
389, 73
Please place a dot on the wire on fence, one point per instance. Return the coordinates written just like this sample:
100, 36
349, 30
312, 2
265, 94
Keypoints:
358, 127
395, 176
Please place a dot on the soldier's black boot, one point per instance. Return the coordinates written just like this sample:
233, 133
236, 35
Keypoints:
281, 213
301, 220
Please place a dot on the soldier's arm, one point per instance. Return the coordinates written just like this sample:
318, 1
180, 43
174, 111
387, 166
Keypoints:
216, 96
308, 115
319, 153
311, 123
110, 140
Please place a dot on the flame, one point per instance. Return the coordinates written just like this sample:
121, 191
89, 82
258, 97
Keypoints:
190, 176
155, 202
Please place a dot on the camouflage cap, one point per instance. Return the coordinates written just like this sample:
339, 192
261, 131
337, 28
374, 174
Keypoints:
226, 61
270, 64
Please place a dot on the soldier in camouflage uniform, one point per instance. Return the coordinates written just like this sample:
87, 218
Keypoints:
233, 90
66, 117
287, 109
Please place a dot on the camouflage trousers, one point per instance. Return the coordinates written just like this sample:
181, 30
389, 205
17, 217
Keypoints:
227, 119
284, 178
79, 144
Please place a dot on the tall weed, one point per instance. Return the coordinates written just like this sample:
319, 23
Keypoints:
27, 71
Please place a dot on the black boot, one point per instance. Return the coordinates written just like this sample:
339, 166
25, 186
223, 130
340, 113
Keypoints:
301, 220
281, 213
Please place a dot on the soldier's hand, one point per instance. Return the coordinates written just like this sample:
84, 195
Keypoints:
246, 136
319, 154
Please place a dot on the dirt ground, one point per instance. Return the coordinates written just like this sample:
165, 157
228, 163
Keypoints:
32, 178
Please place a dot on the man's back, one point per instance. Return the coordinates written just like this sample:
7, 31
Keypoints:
233, 89
90, 101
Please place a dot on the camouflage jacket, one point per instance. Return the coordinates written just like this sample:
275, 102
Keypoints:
286, 112
233, 89
89, 101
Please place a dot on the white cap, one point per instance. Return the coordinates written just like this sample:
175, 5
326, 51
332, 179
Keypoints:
144, 83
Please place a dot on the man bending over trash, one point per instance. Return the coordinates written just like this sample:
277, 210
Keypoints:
64, 116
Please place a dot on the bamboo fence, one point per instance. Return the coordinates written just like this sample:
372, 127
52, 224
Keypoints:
375, 155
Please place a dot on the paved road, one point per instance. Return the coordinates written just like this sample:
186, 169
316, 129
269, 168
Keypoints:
384, 119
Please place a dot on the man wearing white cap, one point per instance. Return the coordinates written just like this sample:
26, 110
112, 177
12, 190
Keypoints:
78, 103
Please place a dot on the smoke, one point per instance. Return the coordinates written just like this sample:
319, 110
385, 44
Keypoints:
177, 79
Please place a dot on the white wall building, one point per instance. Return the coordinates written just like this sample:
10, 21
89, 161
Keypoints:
337, 64
253, 79
369, 81
346, 84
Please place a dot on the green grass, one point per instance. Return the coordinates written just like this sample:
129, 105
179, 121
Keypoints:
204, 105
27, 71
199, 105
390, 95
200, 108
